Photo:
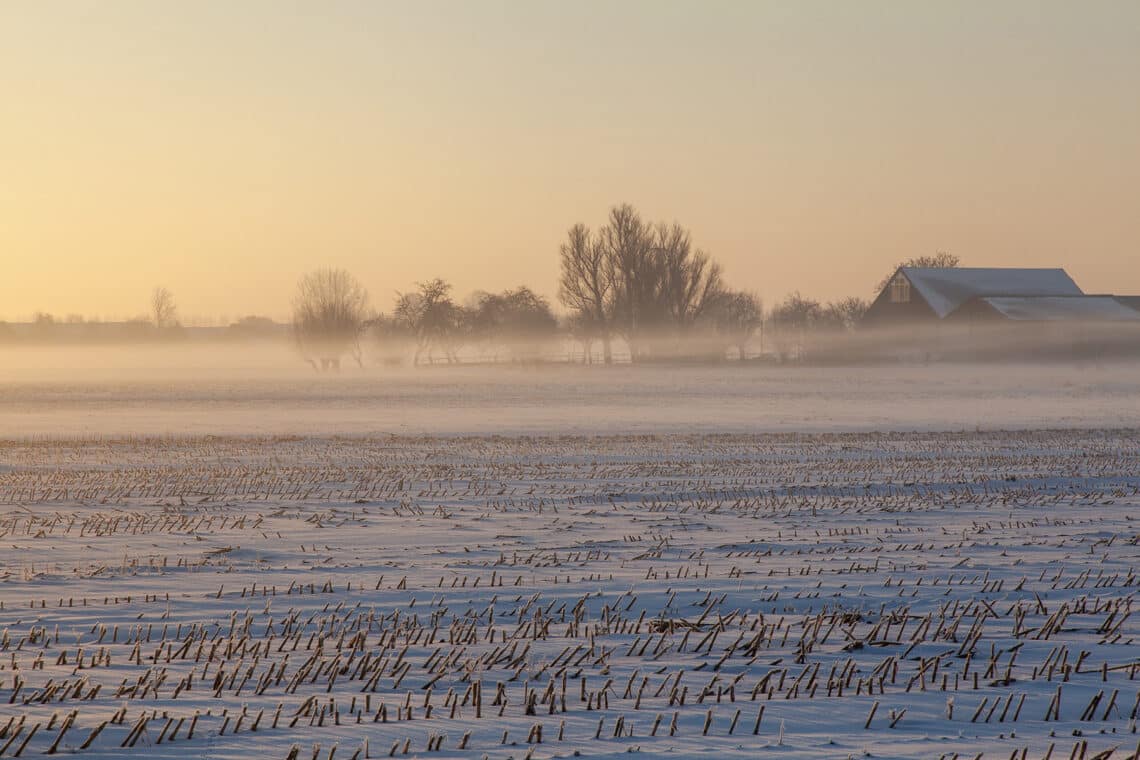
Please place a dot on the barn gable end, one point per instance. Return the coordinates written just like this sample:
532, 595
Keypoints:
899, 302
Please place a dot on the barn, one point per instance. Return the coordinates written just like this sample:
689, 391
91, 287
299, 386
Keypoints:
916, 295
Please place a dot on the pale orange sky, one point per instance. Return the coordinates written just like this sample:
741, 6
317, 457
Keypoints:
224, 148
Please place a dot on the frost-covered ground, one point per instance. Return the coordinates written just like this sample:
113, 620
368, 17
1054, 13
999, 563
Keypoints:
892, 595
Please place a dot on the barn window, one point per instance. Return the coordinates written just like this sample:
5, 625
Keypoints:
900, 289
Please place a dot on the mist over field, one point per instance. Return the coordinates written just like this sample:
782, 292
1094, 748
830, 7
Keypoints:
264, 389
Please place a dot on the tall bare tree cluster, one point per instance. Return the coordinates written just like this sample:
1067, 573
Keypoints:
640, 281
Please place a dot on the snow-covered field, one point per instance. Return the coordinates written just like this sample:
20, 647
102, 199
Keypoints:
680, 594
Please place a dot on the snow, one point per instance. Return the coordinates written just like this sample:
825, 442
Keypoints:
186, 534
945, 289
152, 580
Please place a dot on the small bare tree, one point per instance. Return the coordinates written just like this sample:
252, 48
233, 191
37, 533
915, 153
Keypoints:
736, 316
162, 309
844, 314
433, 318
329, 315
791, 320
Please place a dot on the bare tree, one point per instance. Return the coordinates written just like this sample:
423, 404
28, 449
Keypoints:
940, 260
844, 314
791, 320
433, 318
736, 316
393, 338
329, 314
689, 281
584, 330
626, 241
519, 320
662, 286
163, 311
588, 288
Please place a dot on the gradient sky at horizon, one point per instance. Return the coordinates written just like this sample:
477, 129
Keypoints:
222, 149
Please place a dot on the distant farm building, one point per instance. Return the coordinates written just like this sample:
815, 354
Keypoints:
914, 296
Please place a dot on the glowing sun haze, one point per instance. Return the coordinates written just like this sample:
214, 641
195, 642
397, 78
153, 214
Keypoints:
222, 149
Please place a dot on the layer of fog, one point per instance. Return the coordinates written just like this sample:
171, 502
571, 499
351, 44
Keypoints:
240, 390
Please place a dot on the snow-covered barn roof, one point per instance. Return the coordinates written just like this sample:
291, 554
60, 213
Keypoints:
1068, 308
947, 289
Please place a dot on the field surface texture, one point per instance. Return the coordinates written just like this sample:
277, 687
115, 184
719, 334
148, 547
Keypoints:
890, 595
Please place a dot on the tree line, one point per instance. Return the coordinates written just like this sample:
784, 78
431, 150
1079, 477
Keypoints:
641, 283
160, 323
632, 283
331, 319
